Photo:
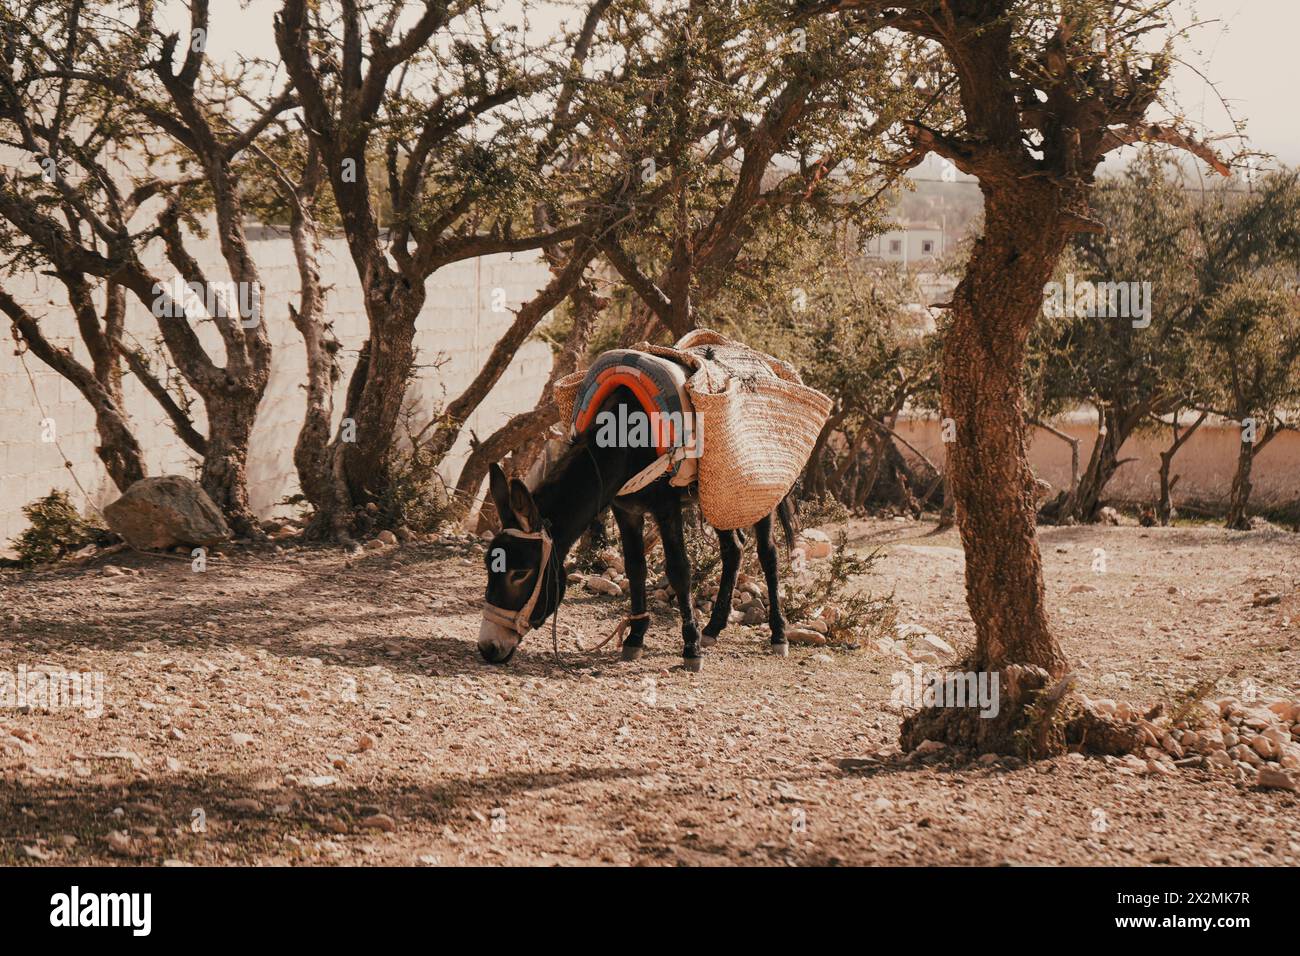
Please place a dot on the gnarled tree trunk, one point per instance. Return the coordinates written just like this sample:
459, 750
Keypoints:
383, 373
994, 309
118, 448
314, 456
1239, 495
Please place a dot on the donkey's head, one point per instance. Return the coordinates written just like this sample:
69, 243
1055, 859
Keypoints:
525, 572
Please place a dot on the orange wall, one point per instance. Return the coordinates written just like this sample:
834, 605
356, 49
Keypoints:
1206, 461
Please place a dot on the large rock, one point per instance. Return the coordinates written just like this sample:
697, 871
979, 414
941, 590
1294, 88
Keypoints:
166, 511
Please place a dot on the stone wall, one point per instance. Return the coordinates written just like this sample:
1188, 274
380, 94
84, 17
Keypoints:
456, 331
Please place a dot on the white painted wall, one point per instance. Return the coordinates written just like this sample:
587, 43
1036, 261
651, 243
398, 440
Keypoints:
457, 322
914, 244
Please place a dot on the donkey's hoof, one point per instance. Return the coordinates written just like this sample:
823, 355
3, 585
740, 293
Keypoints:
781, 650
632, 652
708, 640
692, 664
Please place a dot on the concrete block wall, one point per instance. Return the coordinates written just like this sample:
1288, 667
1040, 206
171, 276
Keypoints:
462, 319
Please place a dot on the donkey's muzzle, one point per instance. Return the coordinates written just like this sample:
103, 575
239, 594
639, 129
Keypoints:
497, 644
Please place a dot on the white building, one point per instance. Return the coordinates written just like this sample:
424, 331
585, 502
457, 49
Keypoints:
911, 243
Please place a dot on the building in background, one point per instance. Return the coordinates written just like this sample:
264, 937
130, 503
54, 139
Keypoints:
911, 244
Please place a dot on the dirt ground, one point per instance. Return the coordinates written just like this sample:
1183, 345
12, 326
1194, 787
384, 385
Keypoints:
298, 707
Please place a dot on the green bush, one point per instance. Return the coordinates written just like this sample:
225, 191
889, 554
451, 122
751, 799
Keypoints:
57, 529
836, 583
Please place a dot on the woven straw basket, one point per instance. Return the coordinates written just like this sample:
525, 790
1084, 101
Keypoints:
758, 434
759, 424
565, 392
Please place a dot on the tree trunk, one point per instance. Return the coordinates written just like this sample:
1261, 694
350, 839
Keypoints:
839, 478
994, 309
314, 456
1102, 464
379, 383
1064, 503
1165, 506
870, 475
948, 513
224, 475
1239, 496
118, 448
815, 472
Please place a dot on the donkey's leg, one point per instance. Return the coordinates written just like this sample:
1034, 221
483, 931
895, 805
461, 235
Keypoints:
679, 576
768, 558
630, 531
730, 546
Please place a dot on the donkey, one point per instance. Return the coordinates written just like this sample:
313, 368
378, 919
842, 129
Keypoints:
525, 561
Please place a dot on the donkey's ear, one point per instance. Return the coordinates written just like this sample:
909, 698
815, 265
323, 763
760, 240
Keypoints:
521, 502
500, 488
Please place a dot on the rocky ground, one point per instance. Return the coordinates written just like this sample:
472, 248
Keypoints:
301, 706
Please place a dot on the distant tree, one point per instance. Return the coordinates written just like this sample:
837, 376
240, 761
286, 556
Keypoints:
1252, 312
854, 331
753, 130
1124, 320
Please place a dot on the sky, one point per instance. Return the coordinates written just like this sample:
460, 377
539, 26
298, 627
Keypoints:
1247, 47
1250, 54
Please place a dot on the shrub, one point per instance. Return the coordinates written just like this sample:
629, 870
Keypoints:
57, 529
859, 617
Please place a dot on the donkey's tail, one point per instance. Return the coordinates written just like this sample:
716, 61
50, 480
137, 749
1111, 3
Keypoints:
785, 512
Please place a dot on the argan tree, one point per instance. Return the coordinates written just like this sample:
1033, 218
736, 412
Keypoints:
743, 138
180, 111
1251, 253
851, 331
442, 138
60, 125
1126, 339
1046, 91
756, 127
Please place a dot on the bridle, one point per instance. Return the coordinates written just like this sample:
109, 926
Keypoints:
520, 621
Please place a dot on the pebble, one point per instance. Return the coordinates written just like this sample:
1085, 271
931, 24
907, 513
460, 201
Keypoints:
804, 635
601, 585
1271, 778
119, 842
